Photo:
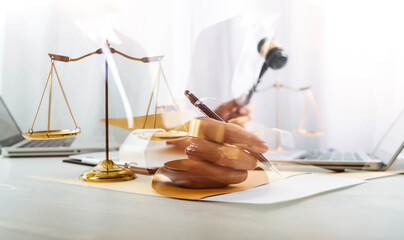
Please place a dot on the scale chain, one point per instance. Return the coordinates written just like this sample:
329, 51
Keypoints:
40, 102
64, 95
50, 97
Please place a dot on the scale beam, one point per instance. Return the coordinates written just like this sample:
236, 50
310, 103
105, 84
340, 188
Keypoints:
61, 58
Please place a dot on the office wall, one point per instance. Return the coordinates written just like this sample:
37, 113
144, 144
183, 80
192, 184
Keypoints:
351, 54
2, 22
365, 78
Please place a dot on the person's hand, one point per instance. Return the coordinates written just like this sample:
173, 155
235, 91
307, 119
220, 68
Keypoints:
217, 155
232, 112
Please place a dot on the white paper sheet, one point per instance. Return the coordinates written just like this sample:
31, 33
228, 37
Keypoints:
289, 189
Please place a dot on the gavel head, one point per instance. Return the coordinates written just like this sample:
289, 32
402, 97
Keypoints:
275, 57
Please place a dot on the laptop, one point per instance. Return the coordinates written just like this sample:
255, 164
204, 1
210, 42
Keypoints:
13, 144
380, 159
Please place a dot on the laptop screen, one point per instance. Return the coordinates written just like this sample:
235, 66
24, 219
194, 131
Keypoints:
391, 141
9, 131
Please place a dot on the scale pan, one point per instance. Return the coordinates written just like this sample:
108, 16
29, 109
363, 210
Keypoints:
162, 135
309, 133
51, 134
169, 136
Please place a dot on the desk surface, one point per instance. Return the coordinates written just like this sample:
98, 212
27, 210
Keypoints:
36, 209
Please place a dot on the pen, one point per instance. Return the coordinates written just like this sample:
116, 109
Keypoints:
211, 114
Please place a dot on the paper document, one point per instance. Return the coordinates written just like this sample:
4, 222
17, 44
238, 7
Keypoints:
288, 189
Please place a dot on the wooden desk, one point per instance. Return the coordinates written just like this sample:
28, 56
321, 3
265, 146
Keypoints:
35, 209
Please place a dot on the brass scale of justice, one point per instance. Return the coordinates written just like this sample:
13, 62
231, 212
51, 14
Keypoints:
302, 125
107, 170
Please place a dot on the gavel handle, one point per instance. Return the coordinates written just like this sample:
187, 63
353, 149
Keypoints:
246, 100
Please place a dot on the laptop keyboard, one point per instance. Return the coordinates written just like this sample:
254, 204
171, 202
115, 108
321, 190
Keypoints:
63, 142
330, 156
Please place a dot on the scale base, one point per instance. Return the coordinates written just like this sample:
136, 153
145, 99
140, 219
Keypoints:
107, 171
